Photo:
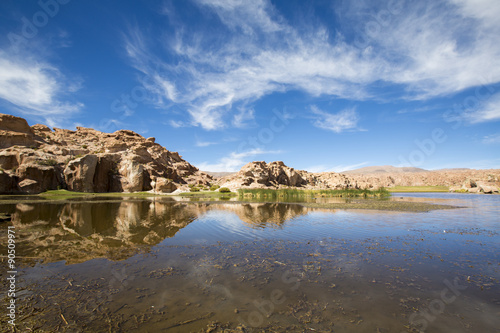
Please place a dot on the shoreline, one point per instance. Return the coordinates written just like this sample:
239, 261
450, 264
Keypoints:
200, 198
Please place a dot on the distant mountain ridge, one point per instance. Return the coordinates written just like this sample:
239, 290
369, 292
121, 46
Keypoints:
383, 169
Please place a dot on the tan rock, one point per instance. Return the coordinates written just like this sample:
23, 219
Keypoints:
164, 185
79, 174
8, 160
37, 178
41, 128
15, 131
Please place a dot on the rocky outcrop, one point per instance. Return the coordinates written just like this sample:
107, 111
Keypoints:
15, 131
79, 174
458, 180
262, 175
278, 175
471, 186
38, 178
35, 159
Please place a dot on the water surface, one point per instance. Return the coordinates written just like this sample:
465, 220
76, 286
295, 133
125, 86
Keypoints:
156, 264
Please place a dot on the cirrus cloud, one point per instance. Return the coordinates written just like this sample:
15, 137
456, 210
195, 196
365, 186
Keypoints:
429, 49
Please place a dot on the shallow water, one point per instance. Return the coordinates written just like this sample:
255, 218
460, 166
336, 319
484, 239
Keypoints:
155, 264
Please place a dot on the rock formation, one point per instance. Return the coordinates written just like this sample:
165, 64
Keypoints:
278, 175
461, 180
36, 159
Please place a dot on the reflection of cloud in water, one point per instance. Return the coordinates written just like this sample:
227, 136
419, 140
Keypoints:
228, 221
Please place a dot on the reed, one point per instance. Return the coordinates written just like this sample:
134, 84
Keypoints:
296, 193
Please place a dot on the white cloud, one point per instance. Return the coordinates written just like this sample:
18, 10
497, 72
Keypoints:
492, 139
204, 143
344, 120
177, 124
35, 88
234, 161
430, 49
337, 168
489, 110
246, 15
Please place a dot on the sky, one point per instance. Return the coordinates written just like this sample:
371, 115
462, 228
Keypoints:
320, 85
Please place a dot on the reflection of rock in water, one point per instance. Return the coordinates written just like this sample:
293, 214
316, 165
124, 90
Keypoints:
77, 231
260, 214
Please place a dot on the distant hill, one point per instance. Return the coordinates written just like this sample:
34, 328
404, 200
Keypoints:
382, 169
453, 169
218, 174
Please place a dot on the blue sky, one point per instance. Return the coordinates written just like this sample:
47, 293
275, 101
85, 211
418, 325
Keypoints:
321, 85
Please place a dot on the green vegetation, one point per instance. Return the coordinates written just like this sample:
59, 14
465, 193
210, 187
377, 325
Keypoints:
224, 190
84, 146
48, 162
195, 189
418, 189
214, 187
208, 194
295, 193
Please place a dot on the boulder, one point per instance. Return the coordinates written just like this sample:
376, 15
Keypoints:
38, 178
469, 183
79, 174
132, 175
164, 185
474, 190
30, 186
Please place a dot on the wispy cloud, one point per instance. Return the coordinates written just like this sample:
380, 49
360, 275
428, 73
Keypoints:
492, 139
488, 110
344, 120
431, 49
234, 161
337, 168
34, 87
204, 143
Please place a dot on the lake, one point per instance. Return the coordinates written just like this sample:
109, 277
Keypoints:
165, 264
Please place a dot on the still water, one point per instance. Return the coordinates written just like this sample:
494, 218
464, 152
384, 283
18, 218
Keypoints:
160, 265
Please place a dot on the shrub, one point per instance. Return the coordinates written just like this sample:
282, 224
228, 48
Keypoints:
224, 190
84, 146
195, 189
215, 187
48, 162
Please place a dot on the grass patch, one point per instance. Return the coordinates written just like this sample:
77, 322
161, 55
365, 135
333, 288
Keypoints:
295, 193
418, 189
207, 194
